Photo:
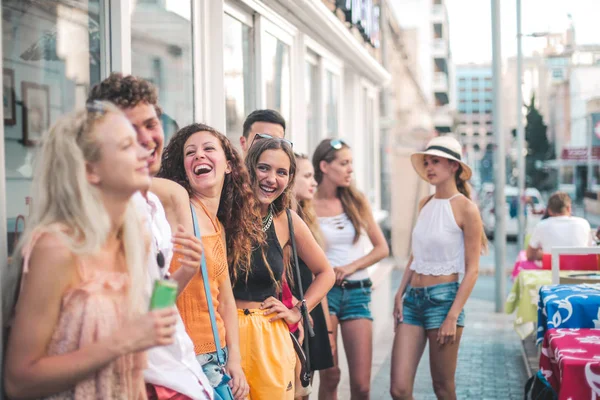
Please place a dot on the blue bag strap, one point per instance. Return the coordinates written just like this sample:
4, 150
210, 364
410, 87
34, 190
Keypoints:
211, 306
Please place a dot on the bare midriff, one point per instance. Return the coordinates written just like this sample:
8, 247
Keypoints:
420, 280
244, 304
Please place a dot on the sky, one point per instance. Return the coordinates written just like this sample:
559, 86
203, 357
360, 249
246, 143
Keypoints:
471, 31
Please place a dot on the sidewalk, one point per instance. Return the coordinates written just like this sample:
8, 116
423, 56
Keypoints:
490, 364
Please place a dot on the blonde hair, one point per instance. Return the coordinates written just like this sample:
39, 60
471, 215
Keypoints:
67, 205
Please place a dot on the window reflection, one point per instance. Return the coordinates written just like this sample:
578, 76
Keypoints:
52, 56
332, 98
369, 132
276, 73
161, 52
312, 100
239, 87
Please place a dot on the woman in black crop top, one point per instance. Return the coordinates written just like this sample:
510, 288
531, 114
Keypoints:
268, 356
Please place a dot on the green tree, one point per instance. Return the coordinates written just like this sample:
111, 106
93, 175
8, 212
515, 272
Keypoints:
538, 146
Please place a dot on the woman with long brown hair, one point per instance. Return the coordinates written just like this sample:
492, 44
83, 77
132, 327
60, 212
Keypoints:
344, 216
447, 241
268, 356
204, 162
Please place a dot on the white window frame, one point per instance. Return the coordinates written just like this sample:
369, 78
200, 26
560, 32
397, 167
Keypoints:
373, 159
288, 35
327, 62
244, 16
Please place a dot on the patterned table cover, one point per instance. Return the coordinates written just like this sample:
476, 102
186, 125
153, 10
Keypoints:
523, 298
570, 361
568, 306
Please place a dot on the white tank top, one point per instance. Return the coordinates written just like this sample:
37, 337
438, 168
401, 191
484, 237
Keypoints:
438, 243
340, 248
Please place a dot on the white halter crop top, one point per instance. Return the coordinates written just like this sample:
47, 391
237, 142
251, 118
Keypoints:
340, 248
438, 243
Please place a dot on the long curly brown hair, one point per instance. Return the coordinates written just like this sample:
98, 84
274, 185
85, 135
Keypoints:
238, 210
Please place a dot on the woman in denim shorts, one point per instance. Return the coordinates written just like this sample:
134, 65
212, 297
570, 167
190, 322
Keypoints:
447, 241
344, 215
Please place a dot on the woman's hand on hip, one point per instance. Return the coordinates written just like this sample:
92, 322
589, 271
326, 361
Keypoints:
274, 306
341, 273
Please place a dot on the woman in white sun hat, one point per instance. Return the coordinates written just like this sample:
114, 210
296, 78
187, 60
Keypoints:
447, 240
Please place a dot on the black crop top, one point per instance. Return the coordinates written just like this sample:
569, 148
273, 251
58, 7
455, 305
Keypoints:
259, 285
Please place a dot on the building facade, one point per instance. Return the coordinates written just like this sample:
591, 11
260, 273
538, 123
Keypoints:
475, 118
428, 21
214, 61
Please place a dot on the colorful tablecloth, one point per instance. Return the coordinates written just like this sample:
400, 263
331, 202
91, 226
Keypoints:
568, 306
570, 361
523, 298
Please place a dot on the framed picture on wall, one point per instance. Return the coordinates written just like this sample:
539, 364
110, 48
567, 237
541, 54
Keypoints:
8, 90
36, 111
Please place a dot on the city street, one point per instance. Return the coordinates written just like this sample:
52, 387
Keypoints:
490, 364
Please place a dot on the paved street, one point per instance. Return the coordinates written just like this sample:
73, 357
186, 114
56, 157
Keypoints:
490, 364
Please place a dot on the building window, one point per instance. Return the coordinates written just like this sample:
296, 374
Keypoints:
490, 133
475, 90
238, 73
51, 57
276, 75
463, 134
161, 51
312, 102
462, 89
369, 131
332, 103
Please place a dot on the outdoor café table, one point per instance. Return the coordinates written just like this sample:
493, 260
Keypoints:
568, 306
570, 361
523, 298
523, 264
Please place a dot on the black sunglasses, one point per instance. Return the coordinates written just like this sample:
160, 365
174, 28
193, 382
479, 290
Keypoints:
260, 136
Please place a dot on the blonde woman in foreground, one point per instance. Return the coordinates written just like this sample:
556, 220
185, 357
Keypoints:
446, 242
80, 324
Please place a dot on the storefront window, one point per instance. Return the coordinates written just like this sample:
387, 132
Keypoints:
312, 101
239, 87
51, 57
332, 99
161, 52
277, 75
369, 132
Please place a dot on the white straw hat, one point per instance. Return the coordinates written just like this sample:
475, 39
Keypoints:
441, 146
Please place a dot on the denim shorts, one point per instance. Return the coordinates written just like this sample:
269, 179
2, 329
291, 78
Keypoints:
354, 303
210, 366
429, 306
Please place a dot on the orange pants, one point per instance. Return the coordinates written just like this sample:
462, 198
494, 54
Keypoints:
268, 356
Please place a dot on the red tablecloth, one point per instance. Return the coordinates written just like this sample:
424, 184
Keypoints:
570, 360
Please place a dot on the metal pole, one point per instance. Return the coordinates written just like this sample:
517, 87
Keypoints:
520, 133
499, 161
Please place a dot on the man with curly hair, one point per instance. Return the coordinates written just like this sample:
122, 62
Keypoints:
173, 372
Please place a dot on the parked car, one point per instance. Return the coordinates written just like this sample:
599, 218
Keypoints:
534, 211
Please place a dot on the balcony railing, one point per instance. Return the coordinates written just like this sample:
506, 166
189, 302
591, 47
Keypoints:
440, 48
438, 12
440, 82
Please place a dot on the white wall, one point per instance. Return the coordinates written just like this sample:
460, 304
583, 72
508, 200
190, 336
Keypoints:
584, 85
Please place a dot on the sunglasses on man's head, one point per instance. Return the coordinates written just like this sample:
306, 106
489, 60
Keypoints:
260, 136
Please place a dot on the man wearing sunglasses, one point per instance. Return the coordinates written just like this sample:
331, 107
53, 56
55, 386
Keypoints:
261, 124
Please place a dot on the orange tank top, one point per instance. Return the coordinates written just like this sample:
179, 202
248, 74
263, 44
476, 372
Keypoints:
192, 303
